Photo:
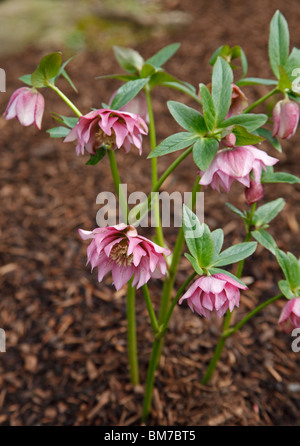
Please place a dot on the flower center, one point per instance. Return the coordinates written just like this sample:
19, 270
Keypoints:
102, 138
118, 253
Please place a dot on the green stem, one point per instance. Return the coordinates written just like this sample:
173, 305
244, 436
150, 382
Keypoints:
252, 313
131, 335
150, 309
260, 101
117, 183
65, 99
220, 345
154, 176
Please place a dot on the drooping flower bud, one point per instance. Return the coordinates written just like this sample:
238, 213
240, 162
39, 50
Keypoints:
285, 119
254, 193
27, 105
290, 315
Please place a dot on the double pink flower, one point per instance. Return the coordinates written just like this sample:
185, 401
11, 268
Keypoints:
27, 105
122, 251
236, 164
213, 293
290, 315
114, 128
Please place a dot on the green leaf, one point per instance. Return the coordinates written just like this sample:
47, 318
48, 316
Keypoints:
194, 263
290, 267
272, 140
235, 253
279, 42
58, 132
244, 138
222, 79
175, 142
227, 273
284, 81
208, 107
67, 120
128, 59
162, 56
147, 70
26, 79
204, 151
251, 121
222, 51
218, 239
255, 81
122, 77
285, 289
48, 68
265, 239
244, 62
264, 214
278, 177
197, 237
235, 210
293, 63
127, 92
100, 154
189, 118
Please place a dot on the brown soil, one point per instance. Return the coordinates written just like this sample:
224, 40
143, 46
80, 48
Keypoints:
66, 359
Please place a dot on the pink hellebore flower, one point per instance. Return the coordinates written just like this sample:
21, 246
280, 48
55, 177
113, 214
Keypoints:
285, 117
238, 102
121, 250
113, 128
217, 292
290, 315
27, 105
236, 164
254, 193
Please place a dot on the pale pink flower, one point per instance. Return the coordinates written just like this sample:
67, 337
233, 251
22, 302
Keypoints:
236, 164
238, 102
254, 193
285, 119
113, 128
137, 105
228, 141
217, 292
290, 315
122, 251
27, 105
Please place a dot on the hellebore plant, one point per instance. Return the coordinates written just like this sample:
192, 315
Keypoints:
219, 135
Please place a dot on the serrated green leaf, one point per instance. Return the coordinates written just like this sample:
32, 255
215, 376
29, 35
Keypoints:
127, 92
128, 59
204, 151
100, 154
189, 118
208, 107
265, 239
264, 214
221, 93
197, 237
175, 142
251, 121
244, 138
279, 42
272, 140
163, 55
58, 132
235, 253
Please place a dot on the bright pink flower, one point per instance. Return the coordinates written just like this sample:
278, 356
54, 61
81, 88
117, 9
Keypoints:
254, 193
137, 105
285, 119
113, 128
121, 250
217, 292
27, 105
236, 164
238, 102
290, 315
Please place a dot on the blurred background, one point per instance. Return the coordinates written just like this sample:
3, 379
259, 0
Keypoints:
66, 358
